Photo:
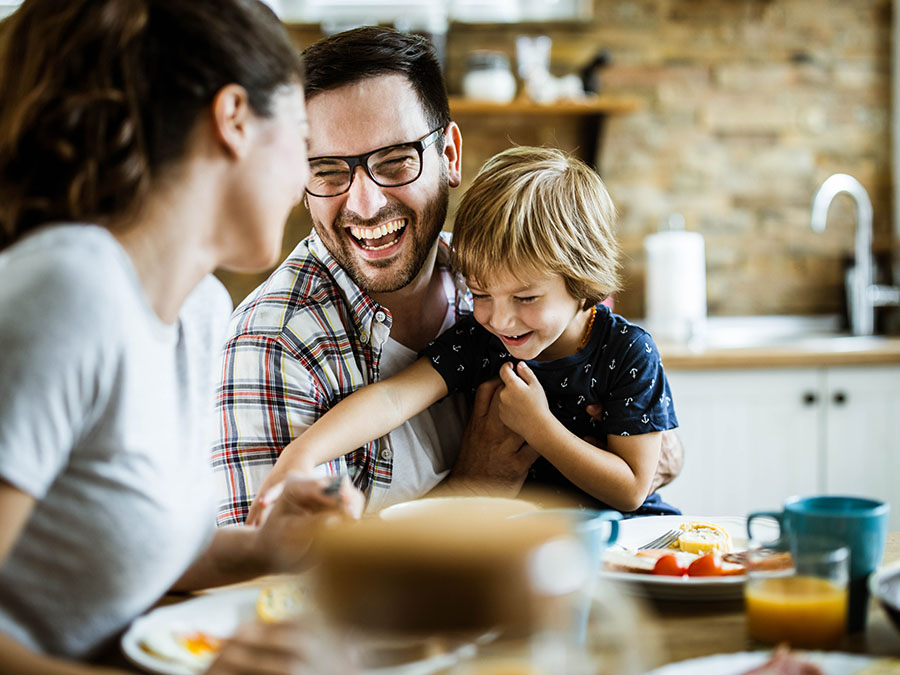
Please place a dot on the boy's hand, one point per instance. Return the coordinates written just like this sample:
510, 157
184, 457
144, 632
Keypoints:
523, 403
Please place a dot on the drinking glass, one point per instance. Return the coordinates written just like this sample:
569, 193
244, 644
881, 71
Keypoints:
796, 592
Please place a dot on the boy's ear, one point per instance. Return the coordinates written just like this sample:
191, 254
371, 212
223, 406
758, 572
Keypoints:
453, 153
231, 119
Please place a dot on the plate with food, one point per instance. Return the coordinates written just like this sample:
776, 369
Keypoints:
704, 558
751, 663
184, 638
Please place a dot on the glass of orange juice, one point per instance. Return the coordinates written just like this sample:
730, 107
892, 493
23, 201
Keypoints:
796, 592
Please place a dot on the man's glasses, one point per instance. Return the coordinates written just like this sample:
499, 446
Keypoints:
392, 166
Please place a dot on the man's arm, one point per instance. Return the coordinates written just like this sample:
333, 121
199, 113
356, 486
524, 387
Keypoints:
492, 459
671, 459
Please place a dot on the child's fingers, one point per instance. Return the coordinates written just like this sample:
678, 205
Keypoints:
508, 374
526, 373
260, 506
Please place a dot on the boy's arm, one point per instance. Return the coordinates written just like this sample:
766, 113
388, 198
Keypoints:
367, 414
620, 476
671, 455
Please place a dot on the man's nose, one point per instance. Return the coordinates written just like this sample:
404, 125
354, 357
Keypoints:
365, 198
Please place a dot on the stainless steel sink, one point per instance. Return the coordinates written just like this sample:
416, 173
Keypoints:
759, 331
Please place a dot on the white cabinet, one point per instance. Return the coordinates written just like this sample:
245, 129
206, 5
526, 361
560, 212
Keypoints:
753, 437
862, 434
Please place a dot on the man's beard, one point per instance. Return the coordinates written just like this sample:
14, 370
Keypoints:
423, 236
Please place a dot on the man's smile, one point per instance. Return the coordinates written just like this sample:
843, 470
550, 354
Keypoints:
380, 237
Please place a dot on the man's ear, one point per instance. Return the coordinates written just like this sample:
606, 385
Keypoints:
231, 116
453, 153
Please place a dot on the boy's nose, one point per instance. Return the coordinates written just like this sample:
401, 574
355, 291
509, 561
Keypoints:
502, 320
365, 198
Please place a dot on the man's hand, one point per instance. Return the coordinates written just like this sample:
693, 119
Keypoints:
281, 649
671, 454
492, 459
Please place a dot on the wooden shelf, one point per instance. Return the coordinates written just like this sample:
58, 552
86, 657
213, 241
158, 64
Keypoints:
599, 105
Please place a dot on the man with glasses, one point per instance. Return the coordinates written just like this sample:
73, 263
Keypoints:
370, 287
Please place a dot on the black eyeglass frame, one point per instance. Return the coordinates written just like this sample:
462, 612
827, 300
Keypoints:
353, 161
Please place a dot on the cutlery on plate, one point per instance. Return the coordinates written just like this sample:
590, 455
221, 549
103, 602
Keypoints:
662, 541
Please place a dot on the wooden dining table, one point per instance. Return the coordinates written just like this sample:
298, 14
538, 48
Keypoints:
679, 630
687, 630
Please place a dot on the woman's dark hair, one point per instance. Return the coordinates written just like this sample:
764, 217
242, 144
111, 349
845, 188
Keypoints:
100, 96
361, 53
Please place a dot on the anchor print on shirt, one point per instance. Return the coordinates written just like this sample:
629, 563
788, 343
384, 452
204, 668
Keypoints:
564, 383
647, 348
633, 372
456, 348
645, 418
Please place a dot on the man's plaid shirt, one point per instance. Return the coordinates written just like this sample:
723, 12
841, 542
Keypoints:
301, 342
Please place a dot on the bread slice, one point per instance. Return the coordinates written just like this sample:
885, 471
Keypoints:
281, 601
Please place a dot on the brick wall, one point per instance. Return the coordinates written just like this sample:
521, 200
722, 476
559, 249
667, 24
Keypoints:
747, 106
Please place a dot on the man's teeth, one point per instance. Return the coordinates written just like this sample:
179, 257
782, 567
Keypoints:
377, 232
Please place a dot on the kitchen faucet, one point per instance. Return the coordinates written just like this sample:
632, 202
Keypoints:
863, 294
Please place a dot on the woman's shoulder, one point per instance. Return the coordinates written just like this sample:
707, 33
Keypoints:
65, 271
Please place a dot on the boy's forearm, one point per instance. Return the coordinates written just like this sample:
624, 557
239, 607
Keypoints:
601, 473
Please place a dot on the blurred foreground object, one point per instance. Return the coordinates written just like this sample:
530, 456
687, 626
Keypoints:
500, 594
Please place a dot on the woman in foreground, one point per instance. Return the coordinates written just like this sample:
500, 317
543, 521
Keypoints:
143, 144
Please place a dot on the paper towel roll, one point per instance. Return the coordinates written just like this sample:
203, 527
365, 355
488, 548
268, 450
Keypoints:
676, 286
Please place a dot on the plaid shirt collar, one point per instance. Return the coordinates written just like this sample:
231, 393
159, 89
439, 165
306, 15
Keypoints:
361, 306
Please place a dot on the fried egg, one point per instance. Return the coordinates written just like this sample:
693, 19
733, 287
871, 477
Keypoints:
193, 649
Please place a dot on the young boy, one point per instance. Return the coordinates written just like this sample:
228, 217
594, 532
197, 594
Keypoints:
533, 238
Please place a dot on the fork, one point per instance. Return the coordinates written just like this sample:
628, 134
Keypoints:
662, 541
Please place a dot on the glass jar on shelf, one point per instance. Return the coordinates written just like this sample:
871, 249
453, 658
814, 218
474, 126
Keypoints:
489, 77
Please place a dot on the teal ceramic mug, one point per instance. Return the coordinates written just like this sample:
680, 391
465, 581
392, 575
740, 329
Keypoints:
859, 523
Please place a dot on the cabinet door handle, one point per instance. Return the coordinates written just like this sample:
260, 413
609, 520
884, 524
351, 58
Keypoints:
839, 398
809, 398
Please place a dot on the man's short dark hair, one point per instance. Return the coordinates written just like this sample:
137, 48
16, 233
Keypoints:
358, 54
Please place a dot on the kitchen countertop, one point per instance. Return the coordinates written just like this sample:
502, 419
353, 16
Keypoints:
800, 352
777, 341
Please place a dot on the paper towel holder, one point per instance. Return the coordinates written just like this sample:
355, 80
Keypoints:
675, 292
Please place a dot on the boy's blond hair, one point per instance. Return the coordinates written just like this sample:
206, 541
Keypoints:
539, 210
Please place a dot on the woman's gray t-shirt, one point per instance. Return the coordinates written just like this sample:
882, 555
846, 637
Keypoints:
105, 419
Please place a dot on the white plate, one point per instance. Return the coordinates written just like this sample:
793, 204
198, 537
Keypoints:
831, 663
219, 614
637, 531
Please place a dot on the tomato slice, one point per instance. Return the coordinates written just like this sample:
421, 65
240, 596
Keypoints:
705, 566
668, 565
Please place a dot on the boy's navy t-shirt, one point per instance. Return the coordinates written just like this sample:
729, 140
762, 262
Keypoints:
620, 368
